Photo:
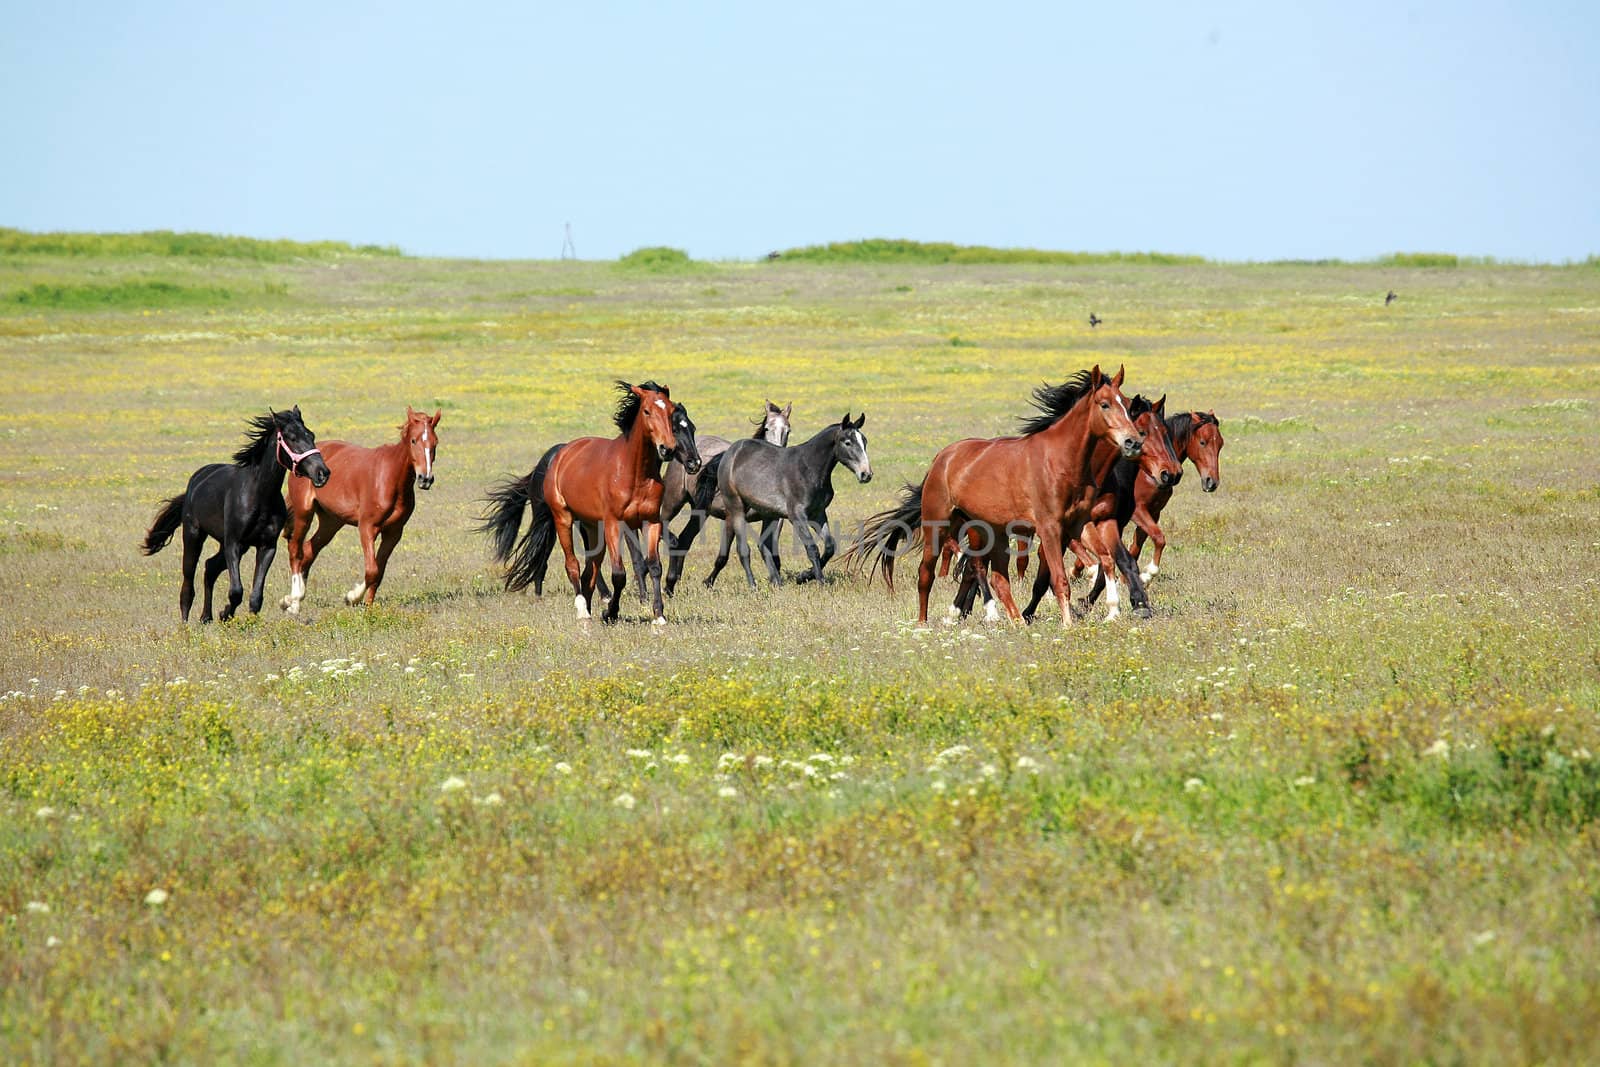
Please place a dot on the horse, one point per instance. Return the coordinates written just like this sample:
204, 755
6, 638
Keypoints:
241, 505
589, 484
988, 491
1099, 548
374, 490
758, 481
772, 427
1197, 437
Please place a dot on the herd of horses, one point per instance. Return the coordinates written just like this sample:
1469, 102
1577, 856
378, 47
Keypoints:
1085, 464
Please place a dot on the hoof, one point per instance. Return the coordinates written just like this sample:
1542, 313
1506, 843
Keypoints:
583, 607
1144, 613
991, 612
659, 620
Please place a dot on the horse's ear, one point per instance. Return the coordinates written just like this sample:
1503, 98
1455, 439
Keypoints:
861, 420
1160, 406
436, 413
297, 411
846, 420
1117, 381
410, 413
1095, 378
788, 408
771, 406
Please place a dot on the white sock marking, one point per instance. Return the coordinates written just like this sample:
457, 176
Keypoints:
582, 605
991, 612
356, 592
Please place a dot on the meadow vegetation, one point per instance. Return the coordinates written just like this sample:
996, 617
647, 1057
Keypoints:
1337, 801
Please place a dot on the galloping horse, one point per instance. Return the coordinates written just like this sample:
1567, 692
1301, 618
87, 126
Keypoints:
580, 487
989, 491
373, 490
679, 489
241, 505
1196, 437
762, 482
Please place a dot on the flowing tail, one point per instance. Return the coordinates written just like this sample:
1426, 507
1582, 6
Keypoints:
705, 490
527, 559
167, 521
882, 536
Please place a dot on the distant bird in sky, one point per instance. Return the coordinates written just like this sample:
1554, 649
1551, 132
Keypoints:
774, 255
1389, 299
1095, 320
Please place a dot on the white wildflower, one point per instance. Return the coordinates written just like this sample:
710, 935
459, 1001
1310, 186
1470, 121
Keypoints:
678, 758
729, 759
563, 768
156, 897
38, 907
1027, 763
452, 784
1192, 784
45, 813
639, 753
763, 761
727, 791
493, 800
820, 757
1305, 780
52, 942
1440, 748
625, 801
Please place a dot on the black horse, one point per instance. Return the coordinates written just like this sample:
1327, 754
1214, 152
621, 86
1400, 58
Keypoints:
759, 482
241, 505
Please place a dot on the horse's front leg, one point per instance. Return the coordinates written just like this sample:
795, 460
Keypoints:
294, 534
1138, 598
258, 587
802, 527
769, 550
232, 555
1145, 523
678, 547
652, 551
192, 544
388, 541
214, 566
619, 568
640, 560
740, 529
1049, 547
369, 560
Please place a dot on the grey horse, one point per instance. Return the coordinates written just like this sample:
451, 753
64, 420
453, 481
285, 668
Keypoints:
681, 488
759, 482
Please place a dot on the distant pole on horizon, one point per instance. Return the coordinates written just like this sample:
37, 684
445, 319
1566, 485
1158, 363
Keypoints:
568, 249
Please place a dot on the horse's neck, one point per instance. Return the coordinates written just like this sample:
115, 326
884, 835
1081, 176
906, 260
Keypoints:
269, 474
1070, 433
641, 455
818, 453
396, 464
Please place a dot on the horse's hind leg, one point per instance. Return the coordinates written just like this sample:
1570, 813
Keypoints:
310, 549
678, 547
193, 541
741, 532
768, 543
565, 536
619, 568
803, 530
214, 566
370, 570
258, 585
641, 568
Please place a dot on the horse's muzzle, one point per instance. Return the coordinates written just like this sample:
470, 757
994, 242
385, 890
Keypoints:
1168, 478
693, 465
318, 474
663, 452
424, 481
865, 476
1132, 446
1208, 484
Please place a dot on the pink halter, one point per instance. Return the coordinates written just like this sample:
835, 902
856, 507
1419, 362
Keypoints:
296, 457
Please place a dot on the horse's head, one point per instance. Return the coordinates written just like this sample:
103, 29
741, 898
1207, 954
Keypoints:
850, 447
1204, 449
297, 447
655, 409
420, 435
775, 424
1108, 413
1158, 461
686, 452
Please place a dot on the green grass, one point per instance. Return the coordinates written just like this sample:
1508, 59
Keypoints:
1338, 801
14, 242
656, 260
134, 294
888, 250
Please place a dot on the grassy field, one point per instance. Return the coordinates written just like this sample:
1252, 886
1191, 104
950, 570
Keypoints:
1337, 802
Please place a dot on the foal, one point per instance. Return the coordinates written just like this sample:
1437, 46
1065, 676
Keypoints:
371, 491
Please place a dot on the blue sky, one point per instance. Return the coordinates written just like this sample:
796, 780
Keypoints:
1232, 130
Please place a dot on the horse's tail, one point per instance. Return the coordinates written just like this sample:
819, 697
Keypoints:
526, 559
705, 490
166, 523
883, 534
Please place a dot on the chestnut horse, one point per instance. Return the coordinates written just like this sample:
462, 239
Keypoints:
591, 483
988, 491
373, 491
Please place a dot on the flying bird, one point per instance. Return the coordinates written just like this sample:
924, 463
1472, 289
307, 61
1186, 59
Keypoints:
1094, 320
1389, 299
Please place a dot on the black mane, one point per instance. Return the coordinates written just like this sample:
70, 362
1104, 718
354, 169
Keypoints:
1181, 425
1054, 401
262, 435
628, 406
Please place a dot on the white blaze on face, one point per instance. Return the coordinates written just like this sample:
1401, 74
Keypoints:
662, 404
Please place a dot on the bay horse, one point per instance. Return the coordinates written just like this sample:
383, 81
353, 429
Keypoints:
1196, 437
241, 505
373, 489
758, 481
1099, 548
989, 491
593, 486
772, 427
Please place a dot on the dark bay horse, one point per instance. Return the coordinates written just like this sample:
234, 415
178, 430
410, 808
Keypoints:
983, 493
772, 427
760, 482
1196, 437
590, 487
373, 489
241, 505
